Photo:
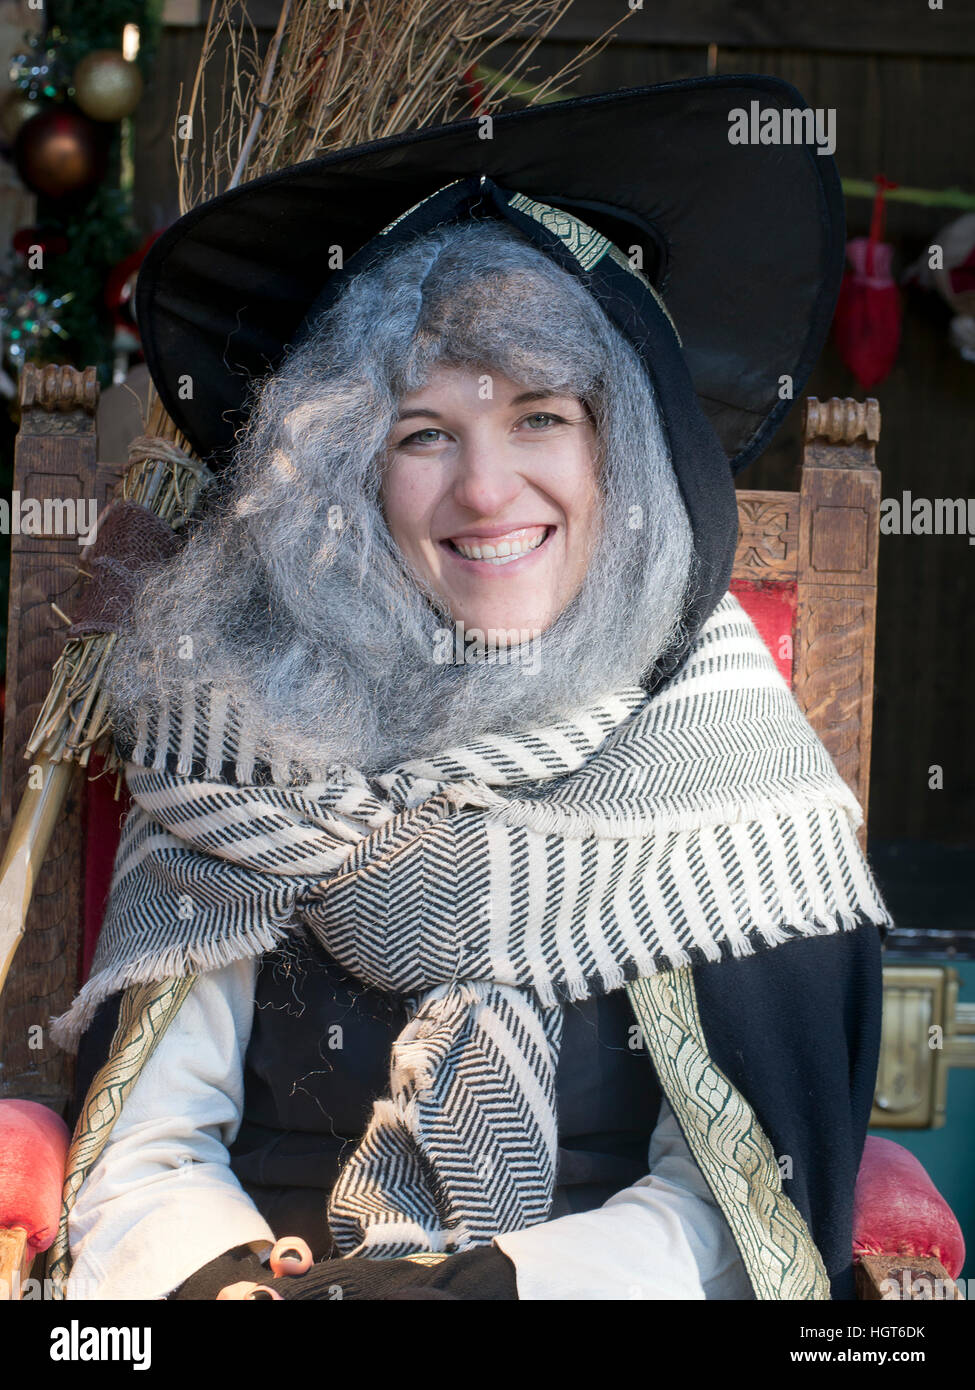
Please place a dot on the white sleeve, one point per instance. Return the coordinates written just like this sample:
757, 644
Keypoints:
662, 1238
162, 1201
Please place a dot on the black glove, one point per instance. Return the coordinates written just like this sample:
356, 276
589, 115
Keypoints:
485, 1274
230, 1268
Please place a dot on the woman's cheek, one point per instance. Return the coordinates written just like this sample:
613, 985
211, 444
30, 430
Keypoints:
398, 499
409, 516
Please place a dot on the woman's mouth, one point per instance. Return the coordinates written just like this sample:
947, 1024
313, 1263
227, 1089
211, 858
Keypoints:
499, 550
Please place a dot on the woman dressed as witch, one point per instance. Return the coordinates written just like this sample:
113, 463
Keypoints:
488, 922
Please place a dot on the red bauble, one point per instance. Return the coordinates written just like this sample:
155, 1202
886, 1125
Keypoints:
60, 151
120, 286
51, 243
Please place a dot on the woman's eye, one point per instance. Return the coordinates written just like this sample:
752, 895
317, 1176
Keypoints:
417, 437
537, 421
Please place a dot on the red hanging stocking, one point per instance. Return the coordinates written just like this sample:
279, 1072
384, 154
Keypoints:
867, 322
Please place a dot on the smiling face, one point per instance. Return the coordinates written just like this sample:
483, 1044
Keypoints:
493, 498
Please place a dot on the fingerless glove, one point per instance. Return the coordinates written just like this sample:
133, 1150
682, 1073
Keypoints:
485, 1274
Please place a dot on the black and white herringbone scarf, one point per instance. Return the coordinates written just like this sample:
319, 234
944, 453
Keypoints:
489, 885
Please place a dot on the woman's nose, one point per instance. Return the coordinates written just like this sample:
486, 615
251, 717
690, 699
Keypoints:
485, 480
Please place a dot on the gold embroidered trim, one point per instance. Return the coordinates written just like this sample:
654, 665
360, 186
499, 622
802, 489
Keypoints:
428, 1257
586, 244
728, 1144
145, 1014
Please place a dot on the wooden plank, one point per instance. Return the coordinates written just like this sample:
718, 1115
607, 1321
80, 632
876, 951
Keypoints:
181, 13
882, 1278
830, 26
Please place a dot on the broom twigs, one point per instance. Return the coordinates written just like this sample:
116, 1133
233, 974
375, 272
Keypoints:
507, 83
336, 77
263, 95
164, 478
183, 153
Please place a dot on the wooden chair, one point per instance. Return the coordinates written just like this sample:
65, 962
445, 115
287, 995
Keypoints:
805, 569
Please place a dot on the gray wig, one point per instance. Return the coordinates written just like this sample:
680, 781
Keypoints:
290, 592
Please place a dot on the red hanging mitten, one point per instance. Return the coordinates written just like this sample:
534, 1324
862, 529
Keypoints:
867, 322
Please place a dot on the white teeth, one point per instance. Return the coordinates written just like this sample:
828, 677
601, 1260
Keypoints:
503, 552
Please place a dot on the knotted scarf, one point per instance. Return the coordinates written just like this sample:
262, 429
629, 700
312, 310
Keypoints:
488, 885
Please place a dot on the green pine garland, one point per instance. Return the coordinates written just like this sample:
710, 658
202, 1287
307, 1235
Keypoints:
99, 235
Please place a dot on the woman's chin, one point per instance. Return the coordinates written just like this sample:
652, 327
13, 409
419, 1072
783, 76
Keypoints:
519, 621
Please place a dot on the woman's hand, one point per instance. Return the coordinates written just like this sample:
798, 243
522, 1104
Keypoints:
481, 1273
290, 1256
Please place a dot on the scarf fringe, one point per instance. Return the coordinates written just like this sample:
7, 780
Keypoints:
738, 947
176, 961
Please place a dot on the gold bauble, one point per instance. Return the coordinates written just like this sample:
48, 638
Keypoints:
106, 85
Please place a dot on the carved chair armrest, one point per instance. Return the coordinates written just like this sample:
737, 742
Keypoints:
907, 1243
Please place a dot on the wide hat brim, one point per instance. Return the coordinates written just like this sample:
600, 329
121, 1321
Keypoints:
744, 243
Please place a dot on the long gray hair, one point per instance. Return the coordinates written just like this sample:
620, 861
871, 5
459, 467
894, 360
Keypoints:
290, 592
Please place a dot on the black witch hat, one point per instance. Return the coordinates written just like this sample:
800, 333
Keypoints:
719, 261
744, 243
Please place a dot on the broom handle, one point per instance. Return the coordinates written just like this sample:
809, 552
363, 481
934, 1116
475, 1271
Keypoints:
30, 836
15, 1261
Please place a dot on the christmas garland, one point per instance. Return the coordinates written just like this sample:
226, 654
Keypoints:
73, 85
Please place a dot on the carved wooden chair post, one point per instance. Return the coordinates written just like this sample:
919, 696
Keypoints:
812, 555
806, 570
55, 462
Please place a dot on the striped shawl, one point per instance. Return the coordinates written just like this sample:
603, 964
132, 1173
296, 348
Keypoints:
488, 885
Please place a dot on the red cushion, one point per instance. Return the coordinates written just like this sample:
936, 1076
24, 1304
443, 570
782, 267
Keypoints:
897, 1210
33, 1149
772, 608
103, 829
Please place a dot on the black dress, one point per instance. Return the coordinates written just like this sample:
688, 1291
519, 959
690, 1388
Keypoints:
795, 1029
319, 1055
